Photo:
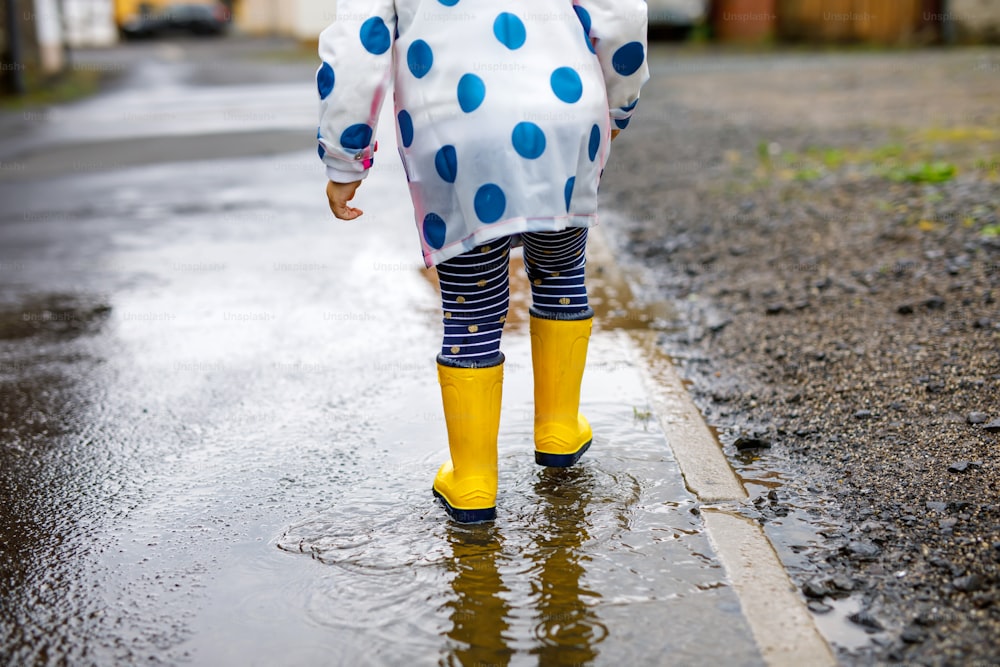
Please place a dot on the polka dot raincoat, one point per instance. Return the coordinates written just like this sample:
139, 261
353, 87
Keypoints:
503, 109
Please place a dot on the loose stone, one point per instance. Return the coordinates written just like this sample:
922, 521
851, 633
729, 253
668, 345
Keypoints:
969, 583
749, 442
818, 607
865, 620
977, 418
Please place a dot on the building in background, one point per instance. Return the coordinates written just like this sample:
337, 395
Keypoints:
891, 22
32, 37
881, 22
301, 19
89, 23
972, 20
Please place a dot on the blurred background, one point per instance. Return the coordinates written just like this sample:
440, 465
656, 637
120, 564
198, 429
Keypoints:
38, 35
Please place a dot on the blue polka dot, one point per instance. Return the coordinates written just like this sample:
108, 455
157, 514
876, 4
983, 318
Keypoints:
446, 163
566, 84
356, 137
490, 203
630, 106
584, 17
529, 140
510, 31
568, 190
419, 58
586, 22
375, 36
471, 91
319, 132
629, 58
435, 230
622, 124
448, 3
595, 142
321, 151
324, 80
405, 128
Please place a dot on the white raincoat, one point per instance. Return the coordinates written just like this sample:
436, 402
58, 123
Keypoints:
503, 109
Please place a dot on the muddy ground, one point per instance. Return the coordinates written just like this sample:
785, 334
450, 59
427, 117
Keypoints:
829, 229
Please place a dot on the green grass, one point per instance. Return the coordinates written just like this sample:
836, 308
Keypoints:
641, 415
892, 161
922, 172
60, 89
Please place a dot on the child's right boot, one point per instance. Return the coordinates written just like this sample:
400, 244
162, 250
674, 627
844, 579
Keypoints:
467, 484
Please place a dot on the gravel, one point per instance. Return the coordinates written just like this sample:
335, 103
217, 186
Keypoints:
837, 300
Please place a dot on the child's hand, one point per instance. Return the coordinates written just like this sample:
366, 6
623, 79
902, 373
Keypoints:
614, 134
339, 194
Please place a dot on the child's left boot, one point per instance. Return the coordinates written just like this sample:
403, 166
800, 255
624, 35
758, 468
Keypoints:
559, 345
467, 484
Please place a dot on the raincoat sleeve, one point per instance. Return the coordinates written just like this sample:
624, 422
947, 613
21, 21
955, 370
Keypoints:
617, 29
352, 80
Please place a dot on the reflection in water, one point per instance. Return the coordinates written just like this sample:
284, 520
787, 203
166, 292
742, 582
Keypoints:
567, 631
479, 611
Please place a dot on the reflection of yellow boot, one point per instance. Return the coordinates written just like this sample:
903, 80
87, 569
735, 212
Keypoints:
558, 355
467, 484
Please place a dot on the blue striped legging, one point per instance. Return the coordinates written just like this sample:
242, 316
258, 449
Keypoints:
475, 290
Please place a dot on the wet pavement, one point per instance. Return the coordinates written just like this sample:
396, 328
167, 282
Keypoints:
219, 423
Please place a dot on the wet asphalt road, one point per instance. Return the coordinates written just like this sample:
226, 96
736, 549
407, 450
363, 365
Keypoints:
219, 420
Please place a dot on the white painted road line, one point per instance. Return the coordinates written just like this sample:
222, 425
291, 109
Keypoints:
781, 624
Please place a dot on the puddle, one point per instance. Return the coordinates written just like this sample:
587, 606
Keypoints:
48, 370
840, 631
794, 519
59, 315
605, 561
573, 555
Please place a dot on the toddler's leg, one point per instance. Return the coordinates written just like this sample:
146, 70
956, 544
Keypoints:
475, 294
555, 263
560, 333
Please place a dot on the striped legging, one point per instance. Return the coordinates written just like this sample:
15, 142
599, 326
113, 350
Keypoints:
475, 290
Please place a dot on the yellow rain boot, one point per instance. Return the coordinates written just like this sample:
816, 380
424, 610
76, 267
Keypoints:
558, 355
467, 484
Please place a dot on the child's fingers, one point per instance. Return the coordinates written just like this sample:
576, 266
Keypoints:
342, 211
338, 195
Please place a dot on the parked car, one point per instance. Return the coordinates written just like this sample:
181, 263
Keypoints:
197, 19
190, 18
146, 23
